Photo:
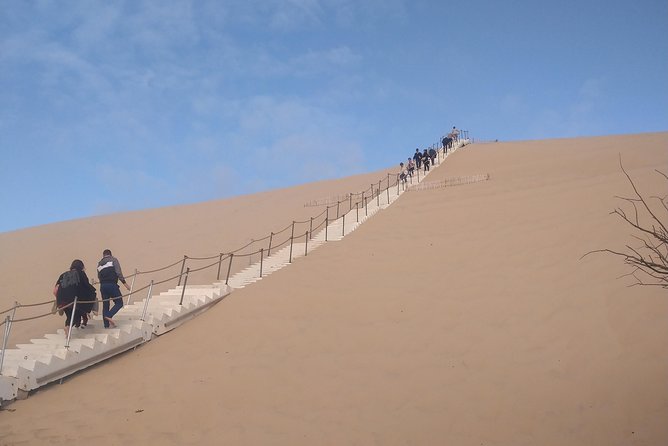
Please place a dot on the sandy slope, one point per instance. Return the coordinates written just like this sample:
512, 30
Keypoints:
32, 259
457, 316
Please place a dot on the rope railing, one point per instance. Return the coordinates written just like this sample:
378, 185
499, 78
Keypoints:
159, 269
8, 310
18, 305
282, 230
203, 258
331, 214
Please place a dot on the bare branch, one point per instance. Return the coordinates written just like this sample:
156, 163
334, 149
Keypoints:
649, 261
649, 210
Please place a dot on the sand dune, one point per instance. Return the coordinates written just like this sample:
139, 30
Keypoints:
32, 259
459, 315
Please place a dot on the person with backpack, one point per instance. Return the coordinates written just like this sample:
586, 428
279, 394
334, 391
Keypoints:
109, 273
432, 155
447, 143
425, 160
74, 285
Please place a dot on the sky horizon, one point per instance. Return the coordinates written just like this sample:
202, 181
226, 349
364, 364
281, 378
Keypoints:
117, 106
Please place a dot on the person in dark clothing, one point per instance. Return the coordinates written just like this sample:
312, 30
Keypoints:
109, 273
417, 157
71, 285
447, 143
432, 155
425, 160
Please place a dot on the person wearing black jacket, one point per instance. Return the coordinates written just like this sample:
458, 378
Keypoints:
425, 160
71, 285
418, 158
109, 273
432, 156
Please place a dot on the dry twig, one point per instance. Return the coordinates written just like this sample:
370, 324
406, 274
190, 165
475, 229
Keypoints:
649, 259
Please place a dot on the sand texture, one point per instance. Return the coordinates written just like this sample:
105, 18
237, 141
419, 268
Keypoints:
459, 316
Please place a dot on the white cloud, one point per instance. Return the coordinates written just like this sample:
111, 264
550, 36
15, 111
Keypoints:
549, 120
161, 99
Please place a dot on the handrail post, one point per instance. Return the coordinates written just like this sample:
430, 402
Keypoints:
306, 244
343, 231
183, 265
229, 268
220, 262
5, 337
11, 321
326, 225
388, 188
366, 207
337, 209
292, 238
261, 260
357, 210
378, 195
271, 236
132, 286
363, 199
69, 332
185, 283
148, 298
310, 229
350, 201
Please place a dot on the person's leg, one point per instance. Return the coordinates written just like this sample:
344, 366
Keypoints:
68, 318
118, 301
77, 318
104, 292
118, 304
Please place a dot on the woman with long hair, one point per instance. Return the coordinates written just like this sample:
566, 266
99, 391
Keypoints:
71, 285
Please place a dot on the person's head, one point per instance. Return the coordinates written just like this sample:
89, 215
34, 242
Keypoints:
106, 252
417, 150
77, 265
401, 164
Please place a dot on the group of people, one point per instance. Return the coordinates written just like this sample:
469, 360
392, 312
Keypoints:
427, 157
419, 160
74, 284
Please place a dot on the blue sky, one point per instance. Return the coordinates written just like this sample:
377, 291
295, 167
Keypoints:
109, 106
